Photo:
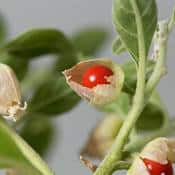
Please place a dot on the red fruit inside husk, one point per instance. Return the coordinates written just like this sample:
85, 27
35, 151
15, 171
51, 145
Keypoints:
95, 75
155, 168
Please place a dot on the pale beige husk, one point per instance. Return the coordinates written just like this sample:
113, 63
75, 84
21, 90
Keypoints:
10, 96
100, 94
12, 172
160, 150
102, 137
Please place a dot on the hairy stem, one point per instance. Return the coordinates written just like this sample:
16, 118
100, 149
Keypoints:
116, 152
122, 165
139, 141
161, 38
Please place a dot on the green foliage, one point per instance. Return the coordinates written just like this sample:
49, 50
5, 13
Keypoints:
3, 29
37, 42
118, 47
121, 106
171, 22
19, 65
153, 115
89, 40
124, 18
65, 61
130, 72
15, 153
38, 131
53, 97
49, 94
151, 119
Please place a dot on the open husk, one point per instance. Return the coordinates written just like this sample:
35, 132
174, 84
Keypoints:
102, 137
160, 150
12, 172
100, 94
10, 96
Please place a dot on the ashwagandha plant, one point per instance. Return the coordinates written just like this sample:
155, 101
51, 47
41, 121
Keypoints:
131, 135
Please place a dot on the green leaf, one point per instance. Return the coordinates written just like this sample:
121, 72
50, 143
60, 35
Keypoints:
171, 22
124, 18
151, 119
19, 65
30, 83
89, 40
130, 72
65, 61
16, 154
121, 106
37, 42
118, 47
154, 122
53, 97
38, 132
3, 29
153, 115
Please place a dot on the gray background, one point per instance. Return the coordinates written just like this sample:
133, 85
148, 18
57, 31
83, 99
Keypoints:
69, 15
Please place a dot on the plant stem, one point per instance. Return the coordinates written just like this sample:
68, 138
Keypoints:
122, 165
139, 141
171, 22
138, 102
159, 70
161, 50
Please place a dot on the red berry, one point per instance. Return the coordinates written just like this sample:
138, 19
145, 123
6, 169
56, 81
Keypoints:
95, 75
156, 168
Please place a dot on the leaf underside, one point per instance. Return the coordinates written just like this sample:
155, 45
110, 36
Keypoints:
16, 154
125, 22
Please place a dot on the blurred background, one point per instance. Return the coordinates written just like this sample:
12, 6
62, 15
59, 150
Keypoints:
68, 16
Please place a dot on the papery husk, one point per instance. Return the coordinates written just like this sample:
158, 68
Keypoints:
100, 94
102, 137
160, 150
10, 95
12, 172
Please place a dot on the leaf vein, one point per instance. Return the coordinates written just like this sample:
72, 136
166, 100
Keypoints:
122, 28
147, 8
151, 24
122, 7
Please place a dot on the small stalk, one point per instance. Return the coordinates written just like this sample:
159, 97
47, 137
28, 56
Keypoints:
116, 152
143, 92
161, 39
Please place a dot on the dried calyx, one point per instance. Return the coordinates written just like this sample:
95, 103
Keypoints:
99, 81
102, 137
155, 159
12, 172
10, 97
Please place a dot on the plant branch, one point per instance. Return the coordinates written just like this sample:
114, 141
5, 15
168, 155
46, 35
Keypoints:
138, 102
161, 38
139, 141
171, 22
122, 165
